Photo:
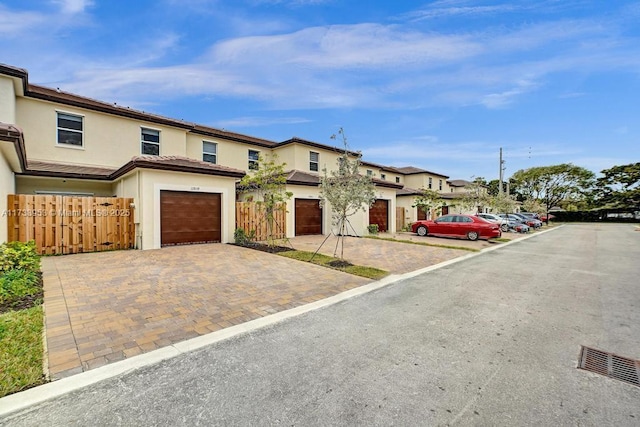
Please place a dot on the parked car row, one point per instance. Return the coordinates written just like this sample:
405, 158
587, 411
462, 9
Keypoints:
479, 226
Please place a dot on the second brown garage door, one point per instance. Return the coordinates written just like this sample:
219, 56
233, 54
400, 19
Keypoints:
308, 217
189, 217
379, 214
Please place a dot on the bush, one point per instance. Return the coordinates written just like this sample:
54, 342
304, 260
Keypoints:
373, 229
241, 238
19, 256
16, 284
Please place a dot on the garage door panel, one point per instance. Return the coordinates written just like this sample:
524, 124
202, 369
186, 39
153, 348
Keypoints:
308, 217
379, 214
189, 217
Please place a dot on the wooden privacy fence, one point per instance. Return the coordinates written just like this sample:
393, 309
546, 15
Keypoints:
71, 224
253, 216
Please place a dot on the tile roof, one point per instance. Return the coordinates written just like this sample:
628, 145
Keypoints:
411, 170
459, 183
170, 163
297, 177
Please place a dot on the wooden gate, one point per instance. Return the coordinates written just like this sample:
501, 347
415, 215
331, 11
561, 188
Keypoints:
71, 224
252, 216
400, 220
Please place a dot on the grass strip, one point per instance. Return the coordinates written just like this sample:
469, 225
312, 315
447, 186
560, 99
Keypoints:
324, 260
390, 239
21, 350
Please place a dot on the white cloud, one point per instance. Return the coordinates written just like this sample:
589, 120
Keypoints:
254, 121
14, 24
73, 6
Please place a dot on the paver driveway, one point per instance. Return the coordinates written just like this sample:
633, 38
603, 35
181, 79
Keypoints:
104, 307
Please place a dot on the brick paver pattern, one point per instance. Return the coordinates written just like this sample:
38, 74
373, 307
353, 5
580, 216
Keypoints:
105, 307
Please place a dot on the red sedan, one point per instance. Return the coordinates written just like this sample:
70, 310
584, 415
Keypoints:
471, 227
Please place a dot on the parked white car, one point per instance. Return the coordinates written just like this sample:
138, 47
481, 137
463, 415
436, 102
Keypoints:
504, 223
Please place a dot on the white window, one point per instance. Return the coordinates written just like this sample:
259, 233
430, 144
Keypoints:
150, 139
314, 158
210, 152
70, 130
397, 180
369, 172
383, 176
430, 183
253, 159
440, 185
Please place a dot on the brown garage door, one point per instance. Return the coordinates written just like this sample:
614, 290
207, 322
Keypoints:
308, 217
379, 214
189, 217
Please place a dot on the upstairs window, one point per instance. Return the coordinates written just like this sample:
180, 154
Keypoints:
150, 142
210, 152
369, 172
430, 183
314, 158
253, 159
440, 185
383, 176
397, 180
70, 130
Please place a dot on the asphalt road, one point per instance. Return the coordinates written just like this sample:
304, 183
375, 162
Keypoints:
492, 340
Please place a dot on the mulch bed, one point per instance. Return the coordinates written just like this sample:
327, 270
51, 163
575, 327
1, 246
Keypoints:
265, 248
340, 264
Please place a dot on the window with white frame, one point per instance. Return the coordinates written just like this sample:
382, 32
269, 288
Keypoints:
253, 159
210, 152
430, 183
369, 172
440, 185
314, 159
150, 139
70, 130
397, 180
383, 176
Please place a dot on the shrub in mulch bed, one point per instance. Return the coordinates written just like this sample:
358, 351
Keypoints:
265, 248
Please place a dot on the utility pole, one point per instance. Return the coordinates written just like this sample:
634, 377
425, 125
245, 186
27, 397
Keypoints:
501, 173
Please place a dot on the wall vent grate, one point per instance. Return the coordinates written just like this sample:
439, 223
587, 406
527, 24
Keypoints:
610, 365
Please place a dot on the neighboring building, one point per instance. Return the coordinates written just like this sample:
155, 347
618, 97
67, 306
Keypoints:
179, 174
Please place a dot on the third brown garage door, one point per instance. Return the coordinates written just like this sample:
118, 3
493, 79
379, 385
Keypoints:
379, 214
189, 217
308, 217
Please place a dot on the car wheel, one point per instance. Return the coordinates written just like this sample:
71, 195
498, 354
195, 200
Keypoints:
472, 235
504, 228
422, 231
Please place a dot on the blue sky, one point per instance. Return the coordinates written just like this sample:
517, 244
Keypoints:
440, 85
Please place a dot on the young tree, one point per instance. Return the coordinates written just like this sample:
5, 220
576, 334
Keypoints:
502, 203
475, 195
553, 184
346, 191
268, 183
427, 200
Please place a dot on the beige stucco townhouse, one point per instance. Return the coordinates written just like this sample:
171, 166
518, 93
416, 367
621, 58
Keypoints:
181, 176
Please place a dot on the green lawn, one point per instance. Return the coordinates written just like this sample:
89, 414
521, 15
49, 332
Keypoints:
21, 350
413, 242
323, 260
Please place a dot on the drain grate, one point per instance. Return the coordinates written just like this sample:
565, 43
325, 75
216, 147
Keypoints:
610, 365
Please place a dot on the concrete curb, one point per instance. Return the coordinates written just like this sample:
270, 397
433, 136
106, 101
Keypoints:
22, 400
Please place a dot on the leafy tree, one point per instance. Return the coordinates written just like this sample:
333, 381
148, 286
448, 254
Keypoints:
502, 203
493, 187
532, 205
346, 191
427, 200
268, 183
475, 195
553, 184
619, 187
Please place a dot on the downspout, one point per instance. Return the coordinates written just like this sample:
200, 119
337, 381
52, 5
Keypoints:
139, 208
